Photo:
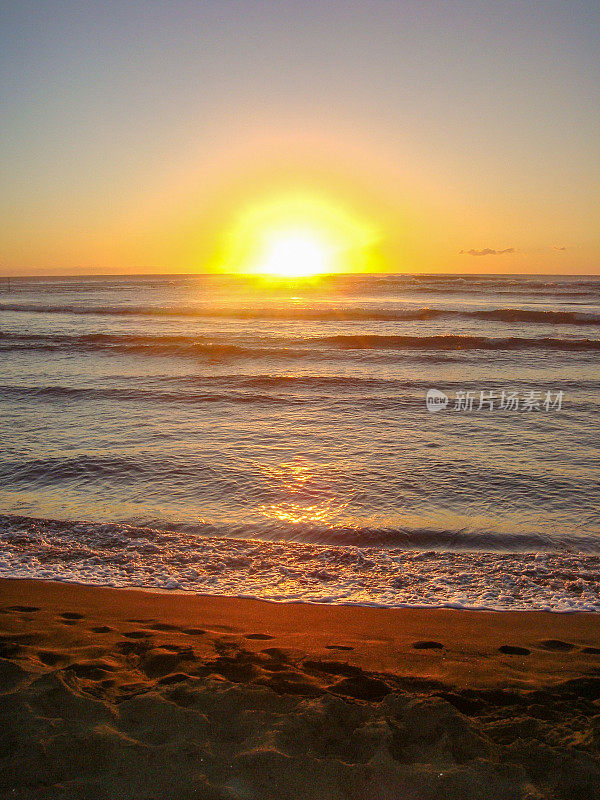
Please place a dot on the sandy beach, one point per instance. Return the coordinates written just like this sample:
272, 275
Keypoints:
130, 694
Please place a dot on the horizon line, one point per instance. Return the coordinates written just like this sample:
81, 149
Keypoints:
286, 278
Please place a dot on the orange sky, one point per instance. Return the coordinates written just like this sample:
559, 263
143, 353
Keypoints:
137, 137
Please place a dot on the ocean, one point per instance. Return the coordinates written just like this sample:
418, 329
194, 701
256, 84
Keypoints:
273, 438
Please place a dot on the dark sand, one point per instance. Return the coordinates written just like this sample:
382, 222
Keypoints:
126, 694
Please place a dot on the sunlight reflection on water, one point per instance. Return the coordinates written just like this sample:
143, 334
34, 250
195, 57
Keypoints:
303, 499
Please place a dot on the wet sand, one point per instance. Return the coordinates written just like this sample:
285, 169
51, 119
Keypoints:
128, 694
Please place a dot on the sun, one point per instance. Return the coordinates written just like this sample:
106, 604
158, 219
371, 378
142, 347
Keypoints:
297, 235
296, 254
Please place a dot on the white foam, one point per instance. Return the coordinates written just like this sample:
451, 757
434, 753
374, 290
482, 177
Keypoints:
125, 556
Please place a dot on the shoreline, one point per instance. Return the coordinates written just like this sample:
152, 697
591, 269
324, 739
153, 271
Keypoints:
289, 571
295, 602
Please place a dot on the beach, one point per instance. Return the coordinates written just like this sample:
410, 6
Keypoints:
299, 401
123, 693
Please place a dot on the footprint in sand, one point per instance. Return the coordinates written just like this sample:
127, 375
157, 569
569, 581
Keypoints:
10, 645
174, 677
592, 651
428, 645
50, 657
194, 631
137, 648
24, 609
262, 636
162, 661
337, 647
556, 645
178, 648
361, 687
513, 650
161, 626
71, 615
276, 653
273, 660
137, 634
101, 629
91, 670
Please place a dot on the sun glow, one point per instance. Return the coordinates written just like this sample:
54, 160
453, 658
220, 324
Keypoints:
297, 254
298, 235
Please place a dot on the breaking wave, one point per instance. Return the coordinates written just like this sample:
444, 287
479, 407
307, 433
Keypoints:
182, 560
325, 313
281, 346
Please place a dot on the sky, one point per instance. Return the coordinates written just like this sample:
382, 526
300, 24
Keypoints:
139, 136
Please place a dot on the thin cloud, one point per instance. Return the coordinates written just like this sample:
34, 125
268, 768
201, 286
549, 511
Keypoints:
487, 251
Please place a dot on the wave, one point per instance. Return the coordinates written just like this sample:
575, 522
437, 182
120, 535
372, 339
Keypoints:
532, 316
146, 344
182, 559
115, 534
454, 342
121, 394
329, 396
355, 385
282, 347
327, 313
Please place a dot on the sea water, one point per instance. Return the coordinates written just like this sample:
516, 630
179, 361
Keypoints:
272, 438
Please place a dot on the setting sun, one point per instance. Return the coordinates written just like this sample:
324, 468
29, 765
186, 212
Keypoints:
298, 234
296, 254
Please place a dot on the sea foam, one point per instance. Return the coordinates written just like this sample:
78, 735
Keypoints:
129, 557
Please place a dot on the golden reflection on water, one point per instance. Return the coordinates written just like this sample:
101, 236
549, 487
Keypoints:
305, 498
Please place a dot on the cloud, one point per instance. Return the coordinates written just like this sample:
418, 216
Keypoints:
487, 251
559, 248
